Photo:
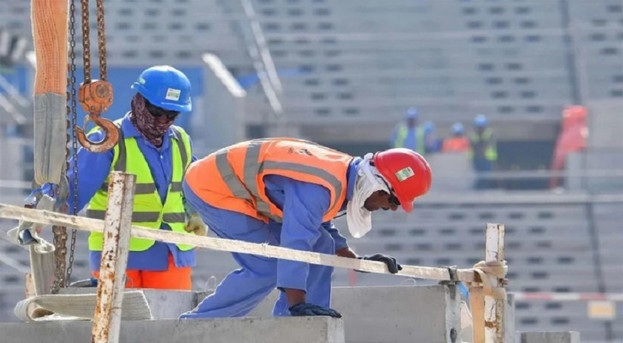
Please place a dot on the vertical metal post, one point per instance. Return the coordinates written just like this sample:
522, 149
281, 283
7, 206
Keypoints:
494, 308
117, 226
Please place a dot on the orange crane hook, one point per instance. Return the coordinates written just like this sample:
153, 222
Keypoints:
95, 98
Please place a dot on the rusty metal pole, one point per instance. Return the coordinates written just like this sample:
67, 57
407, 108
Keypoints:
117, 226
494, 308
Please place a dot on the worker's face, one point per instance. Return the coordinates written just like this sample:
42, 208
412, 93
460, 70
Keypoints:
160, 114
381, 200
411, 122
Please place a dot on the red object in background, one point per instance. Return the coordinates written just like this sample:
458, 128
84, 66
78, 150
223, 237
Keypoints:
572, 137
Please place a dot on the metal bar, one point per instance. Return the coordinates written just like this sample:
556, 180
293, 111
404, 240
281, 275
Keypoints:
220, 244
117, 227
494, 308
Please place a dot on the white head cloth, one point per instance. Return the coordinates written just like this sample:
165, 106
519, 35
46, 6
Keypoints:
368, 181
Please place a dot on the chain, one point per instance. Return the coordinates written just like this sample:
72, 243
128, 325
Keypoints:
60, 243
74, 121
62, 272
86, 43
101, 39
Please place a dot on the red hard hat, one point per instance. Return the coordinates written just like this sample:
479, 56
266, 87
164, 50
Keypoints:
407, 172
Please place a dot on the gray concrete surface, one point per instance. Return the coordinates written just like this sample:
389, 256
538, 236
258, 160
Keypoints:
393, 314
370, 315
550, 337
229, 330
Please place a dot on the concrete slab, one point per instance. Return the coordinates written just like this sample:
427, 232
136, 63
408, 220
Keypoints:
393, 314
550, 337
227, 330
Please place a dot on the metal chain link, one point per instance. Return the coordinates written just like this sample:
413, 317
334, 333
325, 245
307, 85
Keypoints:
86, 43
74, 121
60, 243
62, 271
101, 39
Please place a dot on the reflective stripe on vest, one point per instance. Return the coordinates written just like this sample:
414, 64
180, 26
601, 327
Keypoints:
148, 208
401, 138
242, 168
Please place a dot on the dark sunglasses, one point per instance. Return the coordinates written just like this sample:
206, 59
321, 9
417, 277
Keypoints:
393, 199
159, 111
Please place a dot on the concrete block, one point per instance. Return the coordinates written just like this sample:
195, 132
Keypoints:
164, 304
550, 337
393, 314
227, 330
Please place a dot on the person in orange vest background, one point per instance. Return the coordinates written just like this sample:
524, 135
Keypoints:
286, 192
458, 142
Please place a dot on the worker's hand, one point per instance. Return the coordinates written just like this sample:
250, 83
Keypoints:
392, 265
307, 309
195, 224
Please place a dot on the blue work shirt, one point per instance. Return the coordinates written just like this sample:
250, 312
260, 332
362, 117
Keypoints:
93, 168
304, 205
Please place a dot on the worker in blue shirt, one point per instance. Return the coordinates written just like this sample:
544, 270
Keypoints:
411, 135
296, 189
158, 153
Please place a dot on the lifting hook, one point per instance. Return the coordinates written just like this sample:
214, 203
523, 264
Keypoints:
95, 98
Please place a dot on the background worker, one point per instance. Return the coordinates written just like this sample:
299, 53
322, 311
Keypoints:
158, 153
409, 134
285, 192
458, 142
483, 151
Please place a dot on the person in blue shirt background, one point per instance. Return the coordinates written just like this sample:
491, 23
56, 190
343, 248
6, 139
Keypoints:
158, 152
411, 135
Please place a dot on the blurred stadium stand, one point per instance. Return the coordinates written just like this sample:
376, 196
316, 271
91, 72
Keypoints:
349, 69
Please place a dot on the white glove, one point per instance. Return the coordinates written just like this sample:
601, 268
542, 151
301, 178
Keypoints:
195, 224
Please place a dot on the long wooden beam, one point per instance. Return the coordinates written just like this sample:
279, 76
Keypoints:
220, 244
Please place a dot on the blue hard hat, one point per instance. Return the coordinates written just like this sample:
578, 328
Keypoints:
429, 127
457, 128
165, 87
480, 120
412, 113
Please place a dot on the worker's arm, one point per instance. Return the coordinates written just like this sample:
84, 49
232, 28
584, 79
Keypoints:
340, 241
303, 205
93, 168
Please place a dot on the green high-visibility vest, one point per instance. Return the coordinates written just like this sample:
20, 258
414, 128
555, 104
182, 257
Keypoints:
491, 152
149, 211
401, 137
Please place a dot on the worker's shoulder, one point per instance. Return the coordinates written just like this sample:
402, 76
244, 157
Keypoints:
178, 129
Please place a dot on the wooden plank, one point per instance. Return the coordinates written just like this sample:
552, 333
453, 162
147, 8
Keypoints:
220, 244
111, 283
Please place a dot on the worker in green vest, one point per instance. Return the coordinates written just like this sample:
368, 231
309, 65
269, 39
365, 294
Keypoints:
483, 151
411, 135
158, 153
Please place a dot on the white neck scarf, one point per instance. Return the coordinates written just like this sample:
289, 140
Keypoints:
359, 219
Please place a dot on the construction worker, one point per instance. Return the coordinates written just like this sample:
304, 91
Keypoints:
409, 134
286, 192
432, 143
483, 151
158, 153
458, 142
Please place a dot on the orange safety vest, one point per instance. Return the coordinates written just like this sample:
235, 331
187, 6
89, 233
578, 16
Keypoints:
233, 177
459, 144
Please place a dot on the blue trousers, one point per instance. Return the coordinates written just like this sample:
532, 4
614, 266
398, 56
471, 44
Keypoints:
243, 289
